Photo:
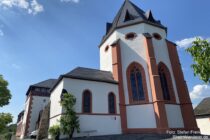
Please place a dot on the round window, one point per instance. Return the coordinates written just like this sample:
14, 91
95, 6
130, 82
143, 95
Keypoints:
157, 36
130, 36
107, 48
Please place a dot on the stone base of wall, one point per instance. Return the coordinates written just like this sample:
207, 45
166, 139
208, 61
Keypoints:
44, 124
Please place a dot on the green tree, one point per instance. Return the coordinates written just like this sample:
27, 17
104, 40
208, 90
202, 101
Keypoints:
54, 131
5, 95
69, 121
5, 119
200, 51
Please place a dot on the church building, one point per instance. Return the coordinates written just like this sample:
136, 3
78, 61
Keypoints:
140, 86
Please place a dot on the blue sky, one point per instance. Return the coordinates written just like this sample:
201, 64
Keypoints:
41, 39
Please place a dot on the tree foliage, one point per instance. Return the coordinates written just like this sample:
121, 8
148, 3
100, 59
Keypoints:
54, 131
200, 52
5, 119
69, 121
5, 95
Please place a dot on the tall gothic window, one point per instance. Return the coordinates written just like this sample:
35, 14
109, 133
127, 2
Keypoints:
136, 84
112, 103
164, 85
166, 82
87, 98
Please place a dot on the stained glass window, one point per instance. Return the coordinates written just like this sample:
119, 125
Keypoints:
87, 102
164, 85
136, 84
111, 99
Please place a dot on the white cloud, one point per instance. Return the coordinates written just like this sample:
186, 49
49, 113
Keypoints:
1, 33
75, 1
200, 91
35, 7
31, 6
187, 42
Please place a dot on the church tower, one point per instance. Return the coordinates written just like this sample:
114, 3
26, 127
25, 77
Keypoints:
153, 94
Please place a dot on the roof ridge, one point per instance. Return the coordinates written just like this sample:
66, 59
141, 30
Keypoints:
93, 69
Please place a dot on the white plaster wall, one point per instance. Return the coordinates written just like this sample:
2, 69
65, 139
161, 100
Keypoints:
162, 55
141, 116
55, 107
204, 125
106, 56
95, 125
25, 117
133, 50
99, 91
38, 104
174, 116
103, 124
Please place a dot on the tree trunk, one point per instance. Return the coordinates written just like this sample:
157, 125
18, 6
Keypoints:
71, 134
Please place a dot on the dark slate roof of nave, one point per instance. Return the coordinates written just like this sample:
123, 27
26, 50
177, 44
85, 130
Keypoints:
203, 107
130, 14
91, 75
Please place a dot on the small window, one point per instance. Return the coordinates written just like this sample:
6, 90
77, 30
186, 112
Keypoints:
37, 89
107, 48
87, 98
157, 36
130, 36
43, 90
63, 92
112, 103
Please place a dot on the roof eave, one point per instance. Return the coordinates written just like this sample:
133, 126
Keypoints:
88, 79
122, 26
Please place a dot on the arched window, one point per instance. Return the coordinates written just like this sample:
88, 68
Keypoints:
63, 91
87, 104
166, 82
112, 103
136, 83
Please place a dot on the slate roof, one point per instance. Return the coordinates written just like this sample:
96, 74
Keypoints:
130, 14
203, 109
44, 84
88, 74
91, 74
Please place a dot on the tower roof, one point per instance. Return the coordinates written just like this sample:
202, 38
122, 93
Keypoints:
43, 84
130, 14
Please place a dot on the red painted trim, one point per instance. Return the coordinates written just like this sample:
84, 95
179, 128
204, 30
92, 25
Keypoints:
92, 114
115, 106
157, 96
99, 114
183, 93
87, 90
118, 76
130, 67
28, 118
